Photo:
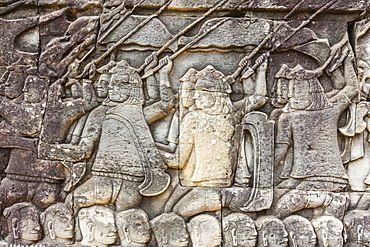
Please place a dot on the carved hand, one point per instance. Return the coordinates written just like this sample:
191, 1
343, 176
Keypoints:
167, 64
245, 62
151, 62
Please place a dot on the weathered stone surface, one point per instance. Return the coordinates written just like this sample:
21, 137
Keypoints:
184, 123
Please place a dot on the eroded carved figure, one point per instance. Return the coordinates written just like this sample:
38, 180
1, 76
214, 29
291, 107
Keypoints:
271, 232
133, 227
58, 224
97, 226
170, 230
328, 231
217, 122
317, 167
205, 231
22, 223
239, 230
300, 231
356, 228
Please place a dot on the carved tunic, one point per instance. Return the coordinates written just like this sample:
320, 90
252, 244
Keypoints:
126, 147
313, 135
213, 140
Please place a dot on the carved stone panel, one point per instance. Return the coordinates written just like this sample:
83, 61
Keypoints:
184, 123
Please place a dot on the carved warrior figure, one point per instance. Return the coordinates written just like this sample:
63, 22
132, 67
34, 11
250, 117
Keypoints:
216, 122
357, 132
126, 162
357, 228
41, 182
170, 230
97, 226
133, 227
328, 231
101, 92
271, 232
238, 230
309, 124
300, 231
23, 223
186, 96
58, 221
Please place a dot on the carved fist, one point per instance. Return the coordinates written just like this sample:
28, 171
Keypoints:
166, 64
245, 63
263, 62
151, 61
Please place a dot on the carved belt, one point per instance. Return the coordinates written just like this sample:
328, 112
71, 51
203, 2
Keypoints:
119, 176
33, 179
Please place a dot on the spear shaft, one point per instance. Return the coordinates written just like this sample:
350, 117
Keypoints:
268, 37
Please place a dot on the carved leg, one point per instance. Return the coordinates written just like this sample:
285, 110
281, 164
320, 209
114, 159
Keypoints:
296, 200
338, 205
96, 190
46, 194
12, 191
364, 202
199, 200
128, 196
176, 195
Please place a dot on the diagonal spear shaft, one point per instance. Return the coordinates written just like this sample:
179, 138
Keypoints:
123, 39
173, 56
143, 23
256, 50
175, 37
105, 34
264, 41
115, 25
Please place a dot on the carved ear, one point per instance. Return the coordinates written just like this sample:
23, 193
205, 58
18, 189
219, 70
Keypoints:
345, 236
292, 236
90, 232
197, 236
15, 228
51, 231
164, 237
264, 239
325, 238
126, 233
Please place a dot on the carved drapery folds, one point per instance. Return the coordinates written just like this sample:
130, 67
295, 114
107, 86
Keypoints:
184, 123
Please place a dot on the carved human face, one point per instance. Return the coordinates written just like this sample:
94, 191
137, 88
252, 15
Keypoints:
29, 228
76, 90
365, 236
329, 235
282, 91
244, 234
14, 85
101, 85
303, 237
32, 90
119, 89
187, 97
63, 225
177, 236
275, 235
210, 234
136, 227
300, 98
204, 99
105, 231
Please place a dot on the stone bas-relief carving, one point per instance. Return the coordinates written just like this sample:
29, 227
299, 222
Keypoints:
137, 123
